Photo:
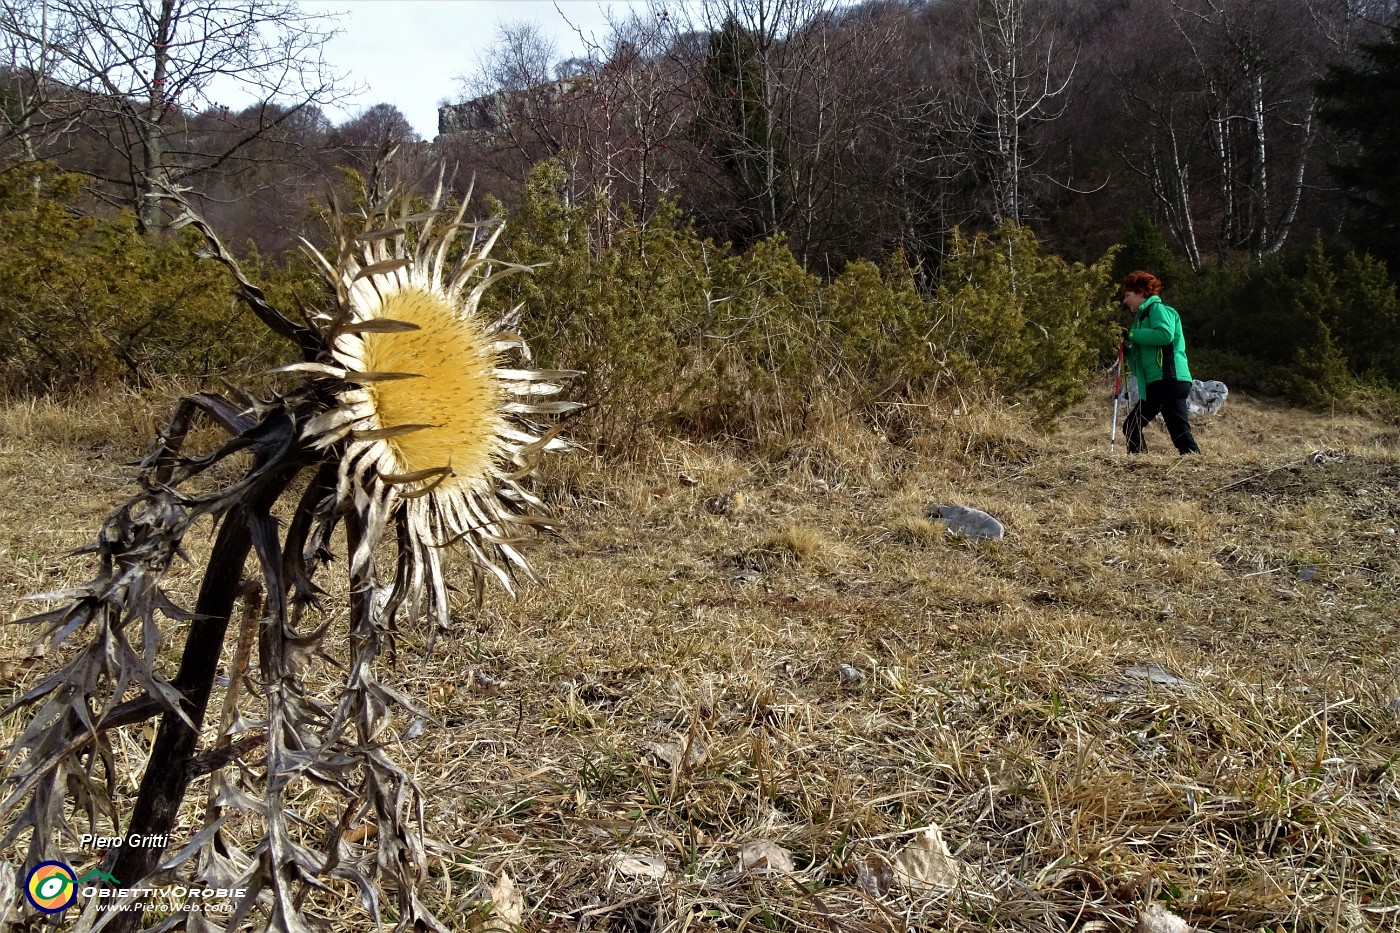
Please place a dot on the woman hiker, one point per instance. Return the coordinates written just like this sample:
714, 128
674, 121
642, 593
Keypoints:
1154, 351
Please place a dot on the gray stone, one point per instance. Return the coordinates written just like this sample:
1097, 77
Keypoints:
973, 524
746, 575
1155, 674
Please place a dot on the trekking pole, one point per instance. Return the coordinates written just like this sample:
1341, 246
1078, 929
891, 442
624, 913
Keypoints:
1117, 392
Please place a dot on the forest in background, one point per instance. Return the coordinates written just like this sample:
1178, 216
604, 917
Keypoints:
744, 205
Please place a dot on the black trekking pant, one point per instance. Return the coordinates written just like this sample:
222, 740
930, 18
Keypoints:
1166, 397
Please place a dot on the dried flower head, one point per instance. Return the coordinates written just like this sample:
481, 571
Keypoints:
438, 403
418, 414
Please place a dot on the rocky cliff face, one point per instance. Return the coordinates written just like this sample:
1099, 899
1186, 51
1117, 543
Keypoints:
492, 113
481, 115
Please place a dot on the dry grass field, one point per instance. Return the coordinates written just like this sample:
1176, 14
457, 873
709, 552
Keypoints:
1175, 681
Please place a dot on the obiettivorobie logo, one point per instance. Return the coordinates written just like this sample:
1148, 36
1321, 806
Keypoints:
52, 887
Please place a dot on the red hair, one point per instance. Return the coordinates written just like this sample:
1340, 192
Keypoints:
1144, 283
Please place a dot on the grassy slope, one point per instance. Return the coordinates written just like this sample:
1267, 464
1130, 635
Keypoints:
1003, 689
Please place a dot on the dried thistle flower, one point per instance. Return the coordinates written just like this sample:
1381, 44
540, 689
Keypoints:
414, 415
432, 410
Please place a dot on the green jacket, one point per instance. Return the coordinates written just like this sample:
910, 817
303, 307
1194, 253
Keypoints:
1156, 346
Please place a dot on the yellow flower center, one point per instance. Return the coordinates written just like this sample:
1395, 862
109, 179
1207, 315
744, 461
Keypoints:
456, 395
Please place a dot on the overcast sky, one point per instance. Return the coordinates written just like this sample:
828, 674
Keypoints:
410, 53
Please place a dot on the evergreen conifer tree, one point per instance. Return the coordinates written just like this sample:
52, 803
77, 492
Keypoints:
1360, 104
1145, 248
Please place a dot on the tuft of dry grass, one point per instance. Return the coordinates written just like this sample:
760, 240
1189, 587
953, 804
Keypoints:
1173, 682
794, 544
916, 530
44, 422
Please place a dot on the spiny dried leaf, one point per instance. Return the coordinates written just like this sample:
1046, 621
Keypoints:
1154, 918
379, 325
926, 865
507, 904
763, 855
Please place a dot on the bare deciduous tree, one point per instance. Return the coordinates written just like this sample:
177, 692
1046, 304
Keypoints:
25, 67
134, 70
631, 119
1020, 78
507, 102
369, 136
1223, 94
808, 106
851, 128
617, 118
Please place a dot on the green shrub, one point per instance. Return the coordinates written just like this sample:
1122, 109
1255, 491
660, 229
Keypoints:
1368, 326
676, 333
84, 300
1029, 325
774, 353
1305, 325
883, 329
1318, 372
636, 316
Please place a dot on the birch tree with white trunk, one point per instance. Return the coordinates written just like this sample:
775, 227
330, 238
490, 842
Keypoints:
1020, 78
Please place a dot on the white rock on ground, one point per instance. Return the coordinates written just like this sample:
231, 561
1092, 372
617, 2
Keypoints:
973, 524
